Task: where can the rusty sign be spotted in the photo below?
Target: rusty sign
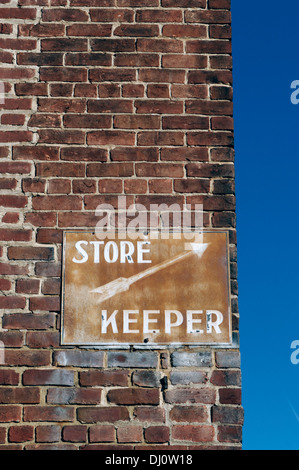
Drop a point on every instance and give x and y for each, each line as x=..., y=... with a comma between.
x=147, y=292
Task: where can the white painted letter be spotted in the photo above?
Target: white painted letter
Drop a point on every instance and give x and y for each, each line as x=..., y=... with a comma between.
x=191, y=320
x=147, y=320
x=214, y=324
x=114, y=252
x=140, y=252
x=128, y=320
x=168, y=324
x=126, y=255
x=96, y=251
x=111, y=320
x=81, y=251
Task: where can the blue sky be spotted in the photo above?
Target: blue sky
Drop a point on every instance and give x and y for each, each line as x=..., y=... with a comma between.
x=266, y=62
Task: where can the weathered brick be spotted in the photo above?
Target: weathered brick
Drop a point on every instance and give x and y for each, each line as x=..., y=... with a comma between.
x=48, y=413
x=20, y=433
x=134, y=396
x=105, y=378
x=102, y=414
x=73, y=396
x=48, y=377
x=130, y=433
x=48, y=433
x=148, y=359
x=189, y=414
x=184, y=359
x=193, y=433
x=102, y=433
x=79, y=358
x=193, y=395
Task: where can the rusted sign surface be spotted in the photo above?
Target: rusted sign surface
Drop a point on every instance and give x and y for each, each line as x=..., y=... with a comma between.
x=149, y=292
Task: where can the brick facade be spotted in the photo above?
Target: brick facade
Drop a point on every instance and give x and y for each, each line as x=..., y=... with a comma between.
x=106, y=98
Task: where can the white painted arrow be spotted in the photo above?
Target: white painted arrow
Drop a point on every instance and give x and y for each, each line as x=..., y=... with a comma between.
x=123, y=284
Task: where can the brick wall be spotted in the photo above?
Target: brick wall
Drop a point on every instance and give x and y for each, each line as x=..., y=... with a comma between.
x=106, y=98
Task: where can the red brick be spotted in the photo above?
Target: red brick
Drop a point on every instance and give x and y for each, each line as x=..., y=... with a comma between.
x=8, y=183
x=102, y=414
x=159, y=186
x=67, y=14
x=94, y=30
x=15, y=167
x=84, y=154
x=111, y=138
x=158, y=434
x=10, y=218
x=102, y=433
x=45, y=303
x=15, y=136
x=158, y=91
x=135, y=186
x=159, y=16
x=34, y=185
x=231, y=396
x=110, y=186
x=27, y=286
x=160, y=45
x=41, y=30
x=30, y=253
x=12, y=339
x=19, y=395
x=105, y=378
x=61, y=136
x=230, y=434
x=18, y=44
x=79, y=396
x=27, y=358
x=132, y=90
x=150, y=414
x=10, y=413
x=160, y=138
x=35, y=153
x=9, y=377
x=13, y=119
x=48, y=413
x=15, y=235
x=134, y=154
x=61, y=105
x=41, y=339
x=109, y=169
x=134, y=396
x=13, y=269
x=11, y=302
x=170, y=170
x=55, y=202
x=42, y=219
x=89, y=121
x=59, y=186
x=50, y=433
x=193, y=433
x=136, y=122
x=131, y=433
x=193, y=395
x=191, y=414
x=51, y=286
x=48, y=377
x=44, y=120
x=19, y=13
x=189, y=31
x=74, y=433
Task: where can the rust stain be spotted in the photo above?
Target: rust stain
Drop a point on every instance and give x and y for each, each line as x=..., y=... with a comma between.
x=146, y=291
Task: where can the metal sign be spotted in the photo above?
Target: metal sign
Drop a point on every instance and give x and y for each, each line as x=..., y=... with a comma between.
x=145, y=291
